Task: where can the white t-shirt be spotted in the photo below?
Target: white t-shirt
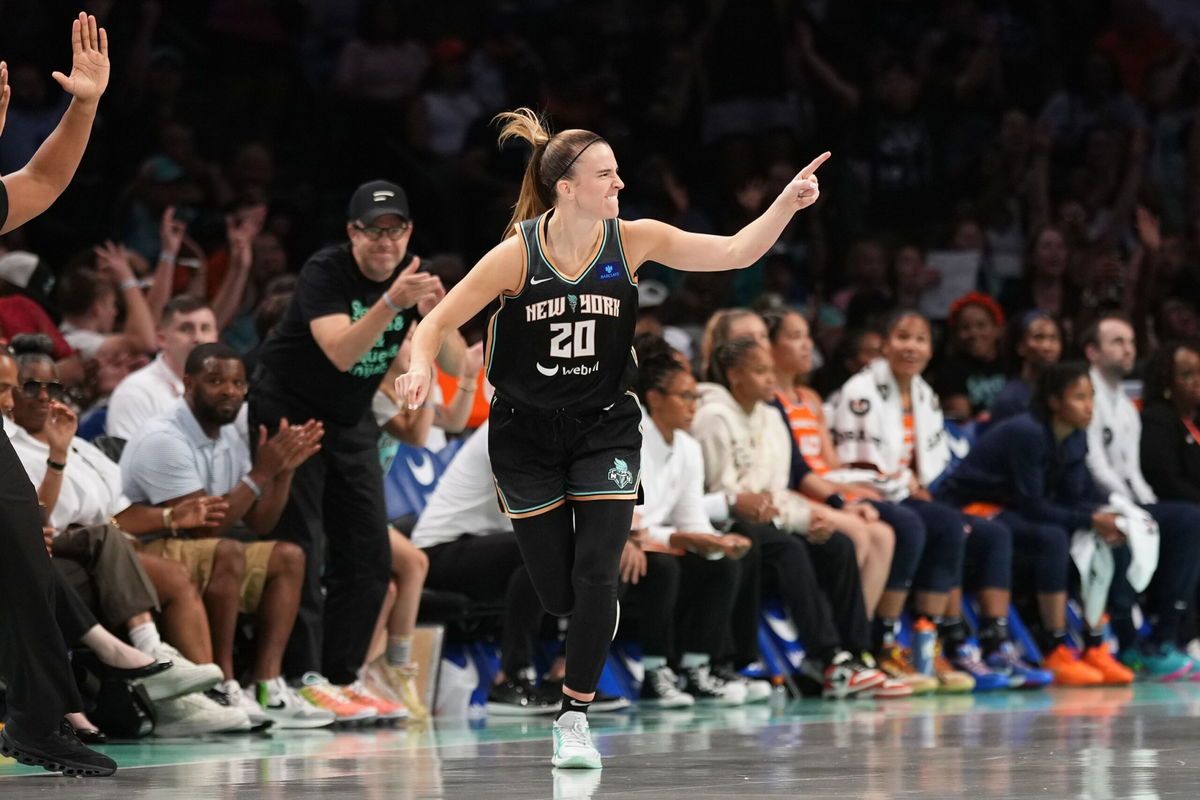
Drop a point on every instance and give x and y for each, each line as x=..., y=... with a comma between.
x=141, y=397
x=91, y=491
x=85, y=341
x=385, y=409
x=464, y=501
x=174, y=457
x=673, y=484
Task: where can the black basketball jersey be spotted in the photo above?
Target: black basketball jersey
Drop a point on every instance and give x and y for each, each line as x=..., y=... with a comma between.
x=564, y=343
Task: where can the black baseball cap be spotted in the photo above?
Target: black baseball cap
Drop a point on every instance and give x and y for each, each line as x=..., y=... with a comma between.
x=374, y=199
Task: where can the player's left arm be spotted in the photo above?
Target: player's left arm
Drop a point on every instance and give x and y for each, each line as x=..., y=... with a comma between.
x=650, y=240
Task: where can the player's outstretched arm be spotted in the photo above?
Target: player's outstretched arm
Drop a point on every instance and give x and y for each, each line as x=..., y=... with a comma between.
x=35, y=186
x=651, y=240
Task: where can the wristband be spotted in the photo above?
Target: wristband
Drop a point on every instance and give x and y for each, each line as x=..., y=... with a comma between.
x=836, y=500
x=387, y=300
x=252, y=486
x=57, y=466
x=168, y=519
x=166, y=258
x=130, y=283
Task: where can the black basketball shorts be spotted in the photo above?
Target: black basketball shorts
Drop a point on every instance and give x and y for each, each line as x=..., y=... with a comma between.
x=541, y=460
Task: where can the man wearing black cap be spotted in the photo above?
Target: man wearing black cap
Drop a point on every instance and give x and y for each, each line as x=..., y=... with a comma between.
x=353, y=306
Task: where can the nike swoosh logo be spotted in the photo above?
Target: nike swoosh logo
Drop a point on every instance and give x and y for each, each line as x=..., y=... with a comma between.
x=549, y=372
x=536, y=281
x=959, y=447
x=422, y=471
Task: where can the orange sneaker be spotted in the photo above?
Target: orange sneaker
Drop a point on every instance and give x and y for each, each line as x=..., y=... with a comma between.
x=358, y=692
x=316, y=689
x=896, y=661
x=1114, y=672
x=1069, y=670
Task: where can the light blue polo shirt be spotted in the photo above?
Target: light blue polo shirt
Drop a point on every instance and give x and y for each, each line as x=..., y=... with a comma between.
x=174, y=457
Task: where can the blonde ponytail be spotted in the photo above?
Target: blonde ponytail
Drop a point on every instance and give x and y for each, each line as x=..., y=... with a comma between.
x=552, y=160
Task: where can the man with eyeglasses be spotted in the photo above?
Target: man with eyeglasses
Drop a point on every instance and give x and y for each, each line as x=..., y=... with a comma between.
x=354, y=304
x=33, y=655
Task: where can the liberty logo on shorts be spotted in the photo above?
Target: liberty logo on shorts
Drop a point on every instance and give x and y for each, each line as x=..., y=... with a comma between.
x=620, y=474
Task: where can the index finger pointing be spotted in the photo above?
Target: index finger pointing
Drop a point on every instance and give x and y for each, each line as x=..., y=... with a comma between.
x=812, y=165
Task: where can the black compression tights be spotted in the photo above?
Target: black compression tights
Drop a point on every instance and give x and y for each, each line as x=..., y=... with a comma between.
x=574, y=567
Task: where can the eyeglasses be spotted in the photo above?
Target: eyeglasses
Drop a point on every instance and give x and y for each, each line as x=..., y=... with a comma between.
x=374, y=233
x=54, y=390
x=691, y=398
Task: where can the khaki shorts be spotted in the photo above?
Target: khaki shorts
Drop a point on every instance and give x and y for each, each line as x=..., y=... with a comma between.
x=198, y=554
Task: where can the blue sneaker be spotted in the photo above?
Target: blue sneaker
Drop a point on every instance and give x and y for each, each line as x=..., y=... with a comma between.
x=1163, y=663
x=1007, y=660
x=967, y=659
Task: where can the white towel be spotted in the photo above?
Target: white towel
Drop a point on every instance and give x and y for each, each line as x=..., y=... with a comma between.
x=1095, y=563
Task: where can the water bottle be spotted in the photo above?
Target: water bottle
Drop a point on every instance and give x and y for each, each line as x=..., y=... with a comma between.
x=779, y=696
x=924, y=646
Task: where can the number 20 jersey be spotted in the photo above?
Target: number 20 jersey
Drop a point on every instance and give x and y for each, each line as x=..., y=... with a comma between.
x=565, y=344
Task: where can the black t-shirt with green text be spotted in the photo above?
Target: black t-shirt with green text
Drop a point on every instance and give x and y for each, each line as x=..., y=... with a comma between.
x=332, y=283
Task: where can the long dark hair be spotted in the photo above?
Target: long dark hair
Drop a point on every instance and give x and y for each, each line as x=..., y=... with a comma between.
x=1160, y=372
x=1053, y=381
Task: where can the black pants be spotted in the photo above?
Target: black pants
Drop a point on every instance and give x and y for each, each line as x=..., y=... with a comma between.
x=336, y=513
x=33, y=656
x=485, y=568
x=683, y=604
x=1174, y=583
x=74, y=617
x=573, y=554
x=819, y=585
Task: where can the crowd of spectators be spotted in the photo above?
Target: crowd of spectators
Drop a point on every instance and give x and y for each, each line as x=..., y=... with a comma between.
x=1013, y=192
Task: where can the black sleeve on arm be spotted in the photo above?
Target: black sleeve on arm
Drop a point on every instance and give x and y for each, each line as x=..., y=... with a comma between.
x=799, y=467
x=1027, y=457
x=320, y=291
x=1162, y=457
x=3, y=204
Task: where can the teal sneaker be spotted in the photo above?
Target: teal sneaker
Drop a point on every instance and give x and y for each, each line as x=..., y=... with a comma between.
x=573, y=748
x=1162, y=663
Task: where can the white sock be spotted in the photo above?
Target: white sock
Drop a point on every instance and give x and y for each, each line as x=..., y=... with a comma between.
x=145, y=637
x=693, y=660
x=399, y=650
x=651, y=663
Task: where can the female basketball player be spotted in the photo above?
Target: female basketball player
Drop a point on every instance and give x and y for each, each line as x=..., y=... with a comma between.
x=564, y=435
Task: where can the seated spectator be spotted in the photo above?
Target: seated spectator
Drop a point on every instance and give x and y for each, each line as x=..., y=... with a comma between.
x=186, y=322
x=1170, y=444
x=193, y=451
x=81, y=490
x=1114, y=439
x=114, y=361
x=87, y=299
x=1034, y=467
x=972, y=373
x=887, y=420
x=701, y=586
x=801, y=555
x=1038, y=343
x=25, y=283
x=874, y=541
x=853, y=352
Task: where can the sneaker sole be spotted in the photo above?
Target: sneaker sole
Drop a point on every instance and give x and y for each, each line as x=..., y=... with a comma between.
x=10, y=750
x=507, y=710
x=576, y=762
x=293, y=724
x=200, y=684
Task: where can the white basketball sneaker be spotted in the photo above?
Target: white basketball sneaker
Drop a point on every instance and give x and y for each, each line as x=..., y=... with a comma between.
x=573, y=748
